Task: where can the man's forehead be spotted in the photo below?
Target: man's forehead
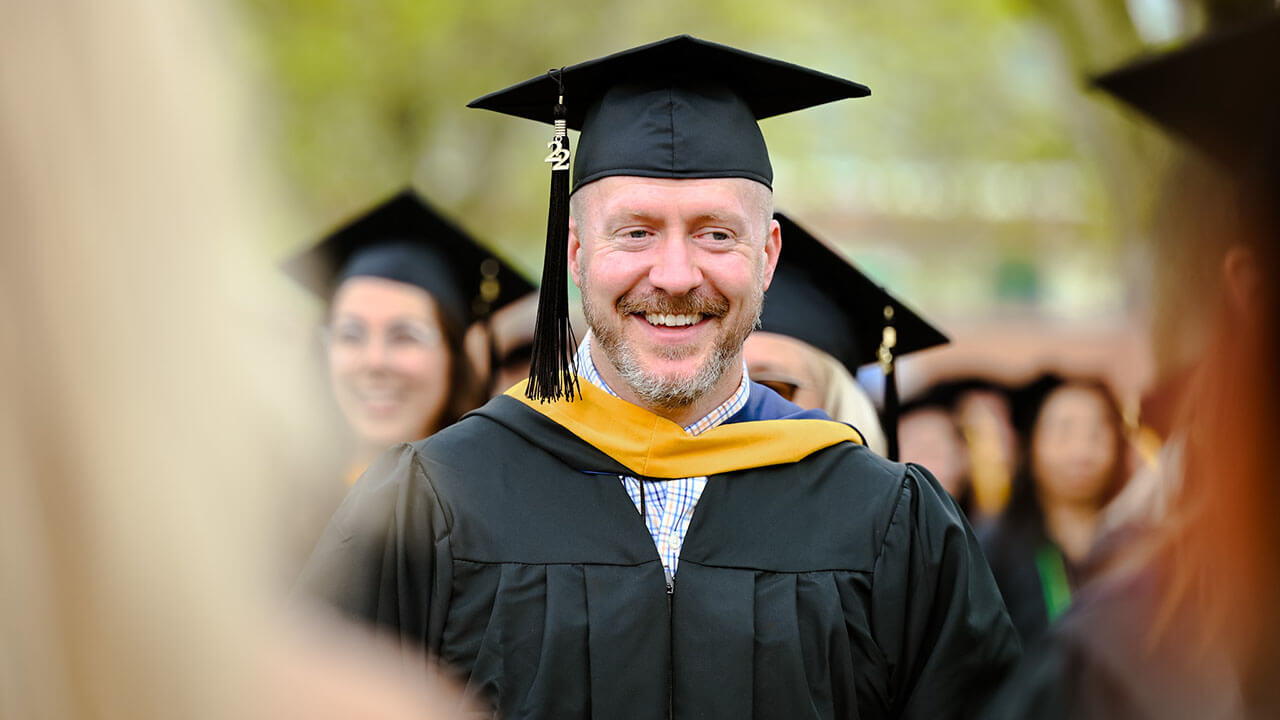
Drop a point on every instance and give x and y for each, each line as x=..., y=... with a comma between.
x=727, y=198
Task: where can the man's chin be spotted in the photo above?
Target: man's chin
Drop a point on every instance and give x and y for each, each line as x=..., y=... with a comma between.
x=668, y=394
x=670, y=388
x=665, y=372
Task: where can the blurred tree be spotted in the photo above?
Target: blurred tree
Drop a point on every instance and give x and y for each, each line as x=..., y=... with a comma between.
x=979, y=139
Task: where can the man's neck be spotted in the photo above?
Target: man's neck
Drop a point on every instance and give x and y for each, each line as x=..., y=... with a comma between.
x=682, y=416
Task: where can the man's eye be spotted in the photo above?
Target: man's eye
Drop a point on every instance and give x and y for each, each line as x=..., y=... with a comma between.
x=716, y=235
x=638, y=234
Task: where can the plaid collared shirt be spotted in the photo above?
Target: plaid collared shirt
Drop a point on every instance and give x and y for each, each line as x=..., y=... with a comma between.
x=668, y=505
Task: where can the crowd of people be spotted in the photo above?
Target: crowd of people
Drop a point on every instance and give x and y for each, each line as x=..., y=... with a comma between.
x=672, y=500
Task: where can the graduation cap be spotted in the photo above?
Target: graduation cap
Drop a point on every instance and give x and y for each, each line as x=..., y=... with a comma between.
x=678, y=108
x=404, y=239
x=1220, y=93
x=821, y=298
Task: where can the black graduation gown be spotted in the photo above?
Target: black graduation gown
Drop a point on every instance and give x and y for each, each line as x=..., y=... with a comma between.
x=1011, y=548
x=840, y=586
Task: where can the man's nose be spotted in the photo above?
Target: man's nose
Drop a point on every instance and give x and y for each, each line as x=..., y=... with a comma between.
x=675, y=268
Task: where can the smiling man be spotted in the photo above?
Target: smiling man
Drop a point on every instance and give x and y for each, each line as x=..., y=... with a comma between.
x=672, y=274
x=641, y=531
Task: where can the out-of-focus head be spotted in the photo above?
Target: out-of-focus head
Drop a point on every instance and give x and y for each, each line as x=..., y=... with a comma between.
x=983, y=412
x=671, y=240
x=510, y=341
x=928, y=434
x=390, y=359
x=1221, y=94
x=813, y=380
x=787, y=366
x=1076, y=443
x=402, y=284
x=822, y=301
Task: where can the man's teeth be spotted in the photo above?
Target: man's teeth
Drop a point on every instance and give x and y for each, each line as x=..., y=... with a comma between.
x=671, y=320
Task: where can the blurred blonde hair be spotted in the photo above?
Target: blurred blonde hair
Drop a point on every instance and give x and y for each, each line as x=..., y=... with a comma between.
x=1220, y=537
x=143, y=407
x=845, y=401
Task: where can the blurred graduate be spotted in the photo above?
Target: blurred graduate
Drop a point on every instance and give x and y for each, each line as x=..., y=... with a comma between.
x=1183, y=622
x=402, y=286
x=822, y=320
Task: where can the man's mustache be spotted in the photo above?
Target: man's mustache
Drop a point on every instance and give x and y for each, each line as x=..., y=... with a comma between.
x=702, y=302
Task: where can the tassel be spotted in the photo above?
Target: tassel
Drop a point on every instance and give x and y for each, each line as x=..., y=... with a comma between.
x=551, y=374
x=888, y=340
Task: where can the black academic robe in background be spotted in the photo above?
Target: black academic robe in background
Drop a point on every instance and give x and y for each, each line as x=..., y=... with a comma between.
x=840, y=586
x=1010, y=547
x=1120, y=654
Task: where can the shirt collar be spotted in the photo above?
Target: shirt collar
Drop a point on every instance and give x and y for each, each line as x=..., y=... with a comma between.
x=586, y=368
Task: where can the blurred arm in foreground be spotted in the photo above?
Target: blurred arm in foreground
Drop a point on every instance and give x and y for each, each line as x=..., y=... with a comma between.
x=143, y=414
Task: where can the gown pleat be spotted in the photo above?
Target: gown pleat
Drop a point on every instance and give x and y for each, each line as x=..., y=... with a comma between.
x=713, y=626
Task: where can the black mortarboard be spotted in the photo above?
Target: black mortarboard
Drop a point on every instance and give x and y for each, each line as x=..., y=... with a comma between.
x=678, y=108
x=404, y=239
x=823, y=299
x=1221, y=92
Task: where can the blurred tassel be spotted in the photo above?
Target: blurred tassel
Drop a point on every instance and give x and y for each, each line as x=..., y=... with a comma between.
x=889, y=339
x=551, y=374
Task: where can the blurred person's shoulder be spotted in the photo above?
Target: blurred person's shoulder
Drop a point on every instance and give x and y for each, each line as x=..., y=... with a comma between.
x=1115, y=655
x=319, y=667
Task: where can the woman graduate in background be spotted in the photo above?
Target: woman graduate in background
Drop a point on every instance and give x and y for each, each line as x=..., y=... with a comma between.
x=405, y=291
x=402, y=285
x=1073, y=464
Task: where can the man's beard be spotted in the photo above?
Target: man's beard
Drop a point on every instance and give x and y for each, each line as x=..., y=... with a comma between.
x=672, y=392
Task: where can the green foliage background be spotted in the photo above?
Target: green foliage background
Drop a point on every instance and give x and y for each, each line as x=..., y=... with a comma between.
x=981, y=175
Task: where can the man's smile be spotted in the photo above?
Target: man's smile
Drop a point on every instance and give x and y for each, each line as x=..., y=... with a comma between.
x=668, y=320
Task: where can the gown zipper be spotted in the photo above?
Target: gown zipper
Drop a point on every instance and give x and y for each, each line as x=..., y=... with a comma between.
x=671, y=589
x=671, y=661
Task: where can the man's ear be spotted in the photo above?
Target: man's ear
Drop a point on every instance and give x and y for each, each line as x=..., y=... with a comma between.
x=1242, y=279
x=772, y=248
x=575, y=250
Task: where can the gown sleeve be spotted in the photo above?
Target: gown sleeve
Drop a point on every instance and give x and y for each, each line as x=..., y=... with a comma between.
x=936, y=612
x=385, y=557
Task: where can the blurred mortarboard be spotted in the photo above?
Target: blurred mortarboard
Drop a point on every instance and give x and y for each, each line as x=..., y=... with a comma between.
x=942, y=396
x=678, y=108
x=1220, y=92
x=404, y=239
x=821, y=298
